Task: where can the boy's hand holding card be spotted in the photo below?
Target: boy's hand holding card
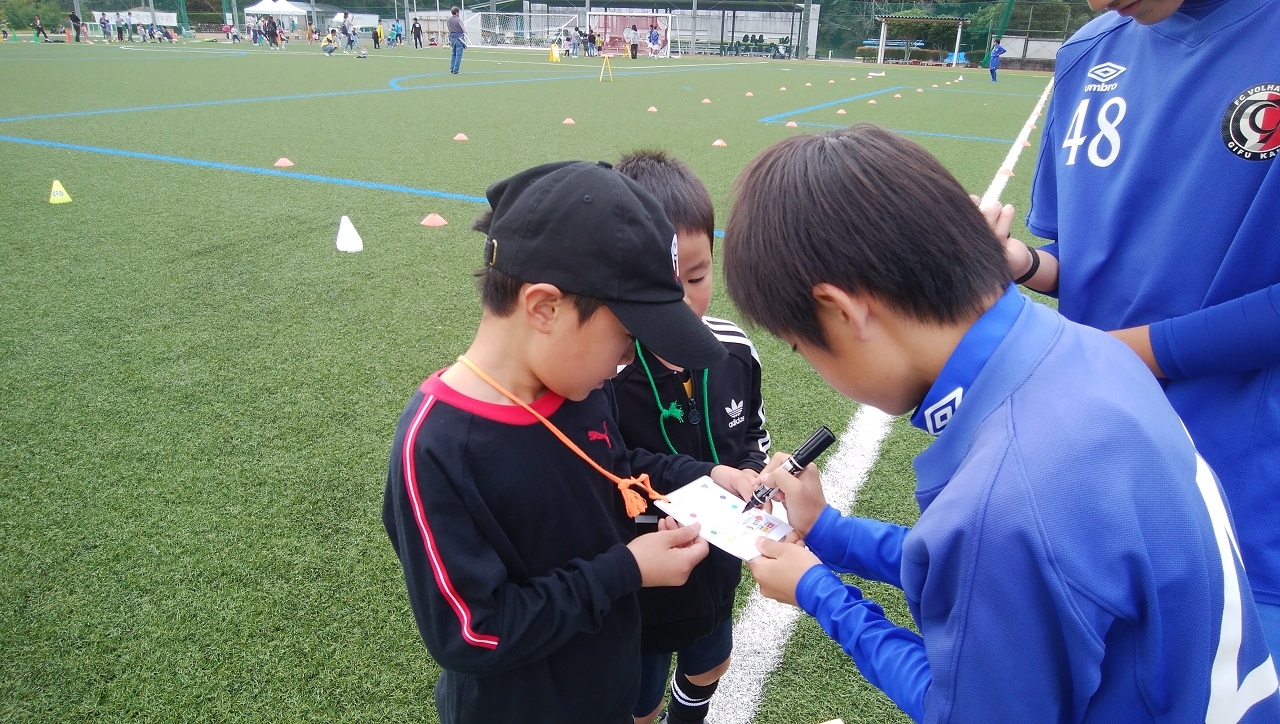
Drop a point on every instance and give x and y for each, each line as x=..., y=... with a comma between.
x=719, y=512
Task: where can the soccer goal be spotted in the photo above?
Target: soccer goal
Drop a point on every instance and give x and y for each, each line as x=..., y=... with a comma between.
x=518, y=30
x=611, y=29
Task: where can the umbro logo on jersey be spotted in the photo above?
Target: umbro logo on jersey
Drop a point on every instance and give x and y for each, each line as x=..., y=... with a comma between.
x=941, y=412
x=734, y=411
x=1104, y=73
x=1251, y=125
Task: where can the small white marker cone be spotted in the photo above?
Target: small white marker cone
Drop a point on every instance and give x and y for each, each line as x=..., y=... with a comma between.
x=897, y=95
x=568, y=122
x=1005, y=172
x=948, y=82
x=840, y=112
x=935, y=85
x=871, y=102
x=653, y=109
x=792, y=124
x=876, y=75
x=284, y=163
x=434, y=219
x=808, y=85
x=830, y=82
x=960, y=78
x=706, y=100
x=1026, y=144
x=348, y=238
x=461, y=137
x=853, y=79
x=782, y=88
x=919, y=90
x=750, y=94
x=719, y=142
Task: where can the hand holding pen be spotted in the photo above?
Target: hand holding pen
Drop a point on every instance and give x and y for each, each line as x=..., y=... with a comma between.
x=817, y=443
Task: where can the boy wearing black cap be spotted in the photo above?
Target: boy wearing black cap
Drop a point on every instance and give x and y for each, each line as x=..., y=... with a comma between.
x=519, y=553
x=714, y=414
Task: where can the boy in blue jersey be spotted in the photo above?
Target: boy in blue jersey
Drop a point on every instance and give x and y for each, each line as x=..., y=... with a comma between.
x=997, y=50
x=1147, y=99
x=714, y=414
x=1073, y=559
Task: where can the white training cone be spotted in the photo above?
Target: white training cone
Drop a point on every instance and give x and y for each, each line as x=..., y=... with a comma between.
x=830, y=82
x=897, y=95
x=706, y=100
x=919, y=90
x=792, y=124
x=876, y=75
x=284, y=163
x=750, y=94
x=1026, y=144
x=434, y=219
x=1005, y=172
x=840, y=112
x=935, y=85
x=808, y=85
x=853, y=79
x=948, y=82
x=871, y=102
x=653, y=109
x=719, y=142
x=782, y=88
x=568, y=122
x=461, y=137
x=960, y=78
x=348, y=238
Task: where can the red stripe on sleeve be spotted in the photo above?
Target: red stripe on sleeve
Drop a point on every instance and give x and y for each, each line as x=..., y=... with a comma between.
x=428, y=541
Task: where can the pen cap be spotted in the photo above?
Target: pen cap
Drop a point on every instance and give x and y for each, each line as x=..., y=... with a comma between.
x=817, y=443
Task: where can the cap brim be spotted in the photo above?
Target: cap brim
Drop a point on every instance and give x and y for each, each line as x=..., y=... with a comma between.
x=672, y=331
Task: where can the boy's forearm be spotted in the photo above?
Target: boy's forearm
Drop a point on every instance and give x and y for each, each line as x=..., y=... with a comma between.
x=868, y=548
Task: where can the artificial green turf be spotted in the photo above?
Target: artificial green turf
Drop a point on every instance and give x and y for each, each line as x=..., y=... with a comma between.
x=199, y=392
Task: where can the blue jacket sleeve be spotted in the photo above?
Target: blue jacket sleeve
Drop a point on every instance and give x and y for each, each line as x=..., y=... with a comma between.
x=1236, y=336
x=871, y=549
x=891, y=657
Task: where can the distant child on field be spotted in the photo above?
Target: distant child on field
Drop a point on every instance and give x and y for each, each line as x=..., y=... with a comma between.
x=997, y=50
x=714, y=415
x=509, y=497
x=1074, y=559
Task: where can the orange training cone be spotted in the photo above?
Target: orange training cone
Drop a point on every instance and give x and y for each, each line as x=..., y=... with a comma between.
x=434, y=219
x=284, y=163
x=1026, y=144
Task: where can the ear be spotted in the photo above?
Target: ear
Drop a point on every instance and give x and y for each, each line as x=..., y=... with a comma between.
x=839, y=310
x=542, y=305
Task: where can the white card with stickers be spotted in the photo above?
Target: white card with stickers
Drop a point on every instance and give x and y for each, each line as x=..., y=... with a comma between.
x=719, y=512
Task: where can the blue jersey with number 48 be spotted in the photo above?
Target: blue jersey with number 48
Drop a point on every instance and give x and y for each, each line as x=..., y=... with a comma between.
x=1159, y=180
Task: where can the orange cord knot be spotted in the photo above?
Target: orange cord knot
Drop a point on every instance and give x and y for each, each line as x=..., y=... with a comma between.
x=636, y=504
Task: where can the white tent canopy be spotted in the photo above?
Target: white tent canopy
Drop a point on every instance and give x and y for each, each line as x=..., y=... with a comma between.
x=275, y=7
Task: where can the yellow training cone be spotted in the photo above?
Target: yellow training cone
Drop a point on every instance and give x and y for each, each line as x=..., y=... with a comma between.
x=434, y=219
x=461, y=137
x=719, y=142
x=59, y=195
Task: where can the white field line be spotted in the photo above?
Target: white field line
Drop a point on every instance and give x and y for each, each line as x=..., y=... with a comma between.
x=761, y=634
x=1006, y=169
x=762, y=631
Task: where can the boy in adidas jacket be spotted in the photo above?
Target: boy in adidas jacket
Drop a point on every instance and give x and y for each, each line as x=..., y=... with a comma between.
x=714, y=414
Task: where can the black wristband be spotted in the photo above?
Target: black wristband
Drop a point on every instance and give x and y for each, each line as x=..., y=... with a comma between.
x=1035, y=267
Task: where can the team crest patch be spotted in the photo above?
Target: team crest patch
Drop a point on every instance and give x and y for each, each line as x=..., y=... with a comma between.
x=1251, y=125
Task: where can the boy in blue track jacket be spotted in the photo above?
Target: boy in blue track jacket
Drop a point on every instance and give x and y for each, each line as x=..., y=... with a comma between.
x=1074, y=559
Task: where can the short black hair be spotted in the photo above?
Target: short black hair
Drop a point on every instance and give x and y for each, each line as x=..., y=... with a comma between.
x=500, y=291
x=865, y=210
x=681, y=193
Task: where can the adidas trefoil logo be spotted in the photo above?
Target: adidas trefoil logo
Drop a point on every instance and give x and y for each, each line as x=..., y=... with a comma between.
x=734, y=411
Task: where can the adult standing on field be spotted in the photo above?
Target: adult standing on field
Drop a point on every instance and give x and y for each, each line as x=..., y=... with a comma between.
x=75, y=24
x=456, y=42
x=39, y=29
x=1187, y=275
x=416, y=29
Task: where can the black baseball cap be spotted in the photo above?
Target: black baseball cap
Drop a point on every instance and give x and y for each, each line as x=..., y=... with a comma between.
x=595, y=233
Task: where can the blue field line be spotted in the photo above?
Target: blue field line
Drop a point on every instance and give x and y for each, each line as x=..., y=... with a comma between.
x=906, y=132
x=788, y=114
x=293, y=175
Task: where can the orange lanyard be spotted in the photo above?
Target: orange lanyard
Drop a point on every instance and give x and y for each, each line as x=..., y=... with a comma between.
x=635, y=503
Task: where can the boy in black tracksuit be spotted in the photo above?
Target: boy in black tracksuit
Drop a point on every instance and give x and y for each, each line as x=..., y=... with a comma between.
x=715, y=415
x=519, y=553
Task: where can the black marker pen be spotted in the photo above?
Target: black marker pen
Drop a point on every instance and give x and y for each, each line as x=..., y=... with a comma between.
x=817, y=443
